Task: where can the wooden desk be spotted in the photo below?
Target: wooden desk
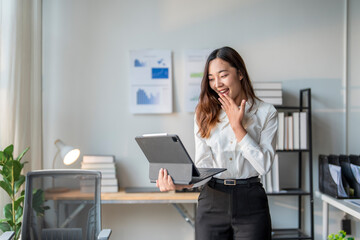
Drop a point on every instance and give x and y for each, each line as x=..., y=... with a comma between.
x=341, y=204
x=122, y=197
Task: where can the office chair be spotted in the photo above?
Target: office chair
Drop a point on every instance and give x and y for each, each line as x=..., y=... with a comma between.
x=62, y=204
x=7, y=235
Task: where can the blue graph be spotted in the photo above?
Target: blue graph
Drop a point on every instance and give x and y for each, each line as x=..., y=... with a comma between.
x=161, y=62
x=142, y=98
x=138, y=63
x=160, y=73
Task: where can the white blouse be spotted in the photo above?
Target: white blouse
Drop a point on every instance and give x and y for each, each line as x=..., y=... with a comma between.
x=250, y=157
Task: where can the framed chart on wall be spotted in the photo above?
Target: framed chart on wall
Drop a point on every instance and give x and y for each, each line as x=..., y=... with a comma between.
x=150, y=81
x=194, y=62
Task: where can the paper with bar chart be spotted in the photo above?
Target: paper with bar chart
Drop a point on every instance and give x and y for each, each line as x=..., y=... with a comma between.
x=151, y=81
x=194, y=66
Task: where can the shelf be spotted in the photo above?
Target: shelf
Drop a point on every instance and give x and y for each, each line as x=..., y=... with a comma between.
x=289, y=234
x=303, y=169
x=289, y=192
x=296, y=150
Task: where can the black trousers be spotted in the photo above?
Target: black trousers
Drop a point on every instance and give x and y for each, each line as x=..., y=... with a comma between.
x=233, y=212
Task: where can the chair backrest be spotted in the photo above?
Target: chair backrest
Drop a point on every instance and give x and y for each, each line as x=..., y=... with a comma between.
x=62, y=203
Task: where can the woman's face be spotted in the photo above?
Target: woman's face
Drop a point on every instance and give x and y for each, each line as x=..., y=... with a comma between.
x=225, y=79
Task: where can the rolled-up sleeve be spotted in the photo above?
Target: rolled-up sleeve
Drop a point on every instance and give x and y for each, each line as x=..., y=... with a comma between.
x=261, y=155
x=203, y=155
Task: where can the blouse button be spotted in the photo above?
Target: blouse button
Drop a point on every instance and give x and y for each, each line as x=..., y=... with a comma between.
x=230, y=159
x=231, y=142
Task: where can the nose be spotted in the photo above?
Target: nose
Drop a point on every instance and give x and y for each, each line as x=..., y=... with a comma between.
x=218, y=82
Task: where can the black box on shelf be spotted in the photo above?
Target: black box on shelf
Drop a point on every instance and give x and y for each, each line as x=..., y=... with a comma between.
x=338, y=176
x=350, y=168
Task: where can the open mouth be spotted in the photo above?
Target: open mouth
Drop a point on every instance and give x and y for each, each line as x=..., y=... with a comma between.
x=224, y=91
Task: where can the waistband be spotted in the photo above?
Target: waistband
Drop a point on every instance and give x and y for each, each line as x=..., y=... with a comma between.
x=233, y=182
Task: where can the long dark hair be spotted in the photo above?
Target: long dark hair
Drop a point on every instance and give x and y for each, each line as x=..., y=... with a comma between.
x=208, y=108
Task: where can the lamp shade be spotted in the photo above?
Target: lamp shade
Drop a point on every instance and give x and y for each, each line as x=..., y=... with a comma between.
x=68, y=154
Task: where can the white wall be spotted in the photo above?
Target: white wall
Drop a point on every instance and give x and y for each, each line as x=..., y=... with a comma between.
x=86, y=46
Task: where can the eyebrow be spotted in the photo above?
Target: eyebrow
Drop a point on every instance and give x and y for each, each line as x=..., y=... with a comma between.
x=219, y=72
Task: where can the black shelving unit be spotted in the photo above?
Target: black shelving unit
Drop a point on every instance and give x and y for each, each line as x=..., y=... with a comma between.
x=299, y=233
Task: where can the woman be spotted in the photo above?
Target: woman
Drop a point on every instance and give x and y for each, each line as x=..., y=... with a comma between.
x=237, y=131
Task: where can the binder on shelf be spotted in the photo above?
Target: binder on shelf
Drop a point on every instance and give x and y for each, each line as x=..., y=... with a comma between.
x=286, y=133
x=331, y=177
x=303, y=130
x=290, y=133
x=296, y=120
x=275, y=174
x=280, y=133
x=350, y=168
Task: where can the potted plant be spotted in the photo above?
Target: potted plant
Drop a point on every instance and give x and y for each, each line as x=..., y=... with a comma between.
x=12, y=180
x=340, y=236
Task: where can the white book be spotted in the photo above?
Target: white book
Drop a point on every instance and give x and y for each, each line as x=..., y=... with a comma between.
x=275, y=174
x=97, y=165
x=296, y=119
x=286, y=133
x=303, y=130
x=108, y=175
x=291, y=132
x=280, y=132
x=104, y=182
x=272, y=100
x=268, y=93
x=98, y=158
x=267, y=85
x=269, y=182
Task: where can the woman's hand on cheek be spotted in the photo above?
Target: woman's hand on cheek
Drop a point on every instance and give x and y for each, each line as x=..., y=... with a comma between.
x=233, y=112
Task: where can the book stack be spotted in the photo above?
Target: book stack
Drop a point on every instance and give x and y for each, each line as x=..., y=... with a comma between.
x=292, y=131
x=270, y=92
x=106, y=165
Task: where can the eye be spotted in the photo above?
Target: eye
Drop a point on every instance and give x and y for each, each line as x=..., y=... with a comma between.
x=224, y=76
x=211, y=79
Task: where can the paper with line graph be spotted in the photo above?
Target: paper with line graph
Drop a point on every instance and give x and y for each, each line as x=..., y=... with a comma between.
x=194, y=67
x=151, y=81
